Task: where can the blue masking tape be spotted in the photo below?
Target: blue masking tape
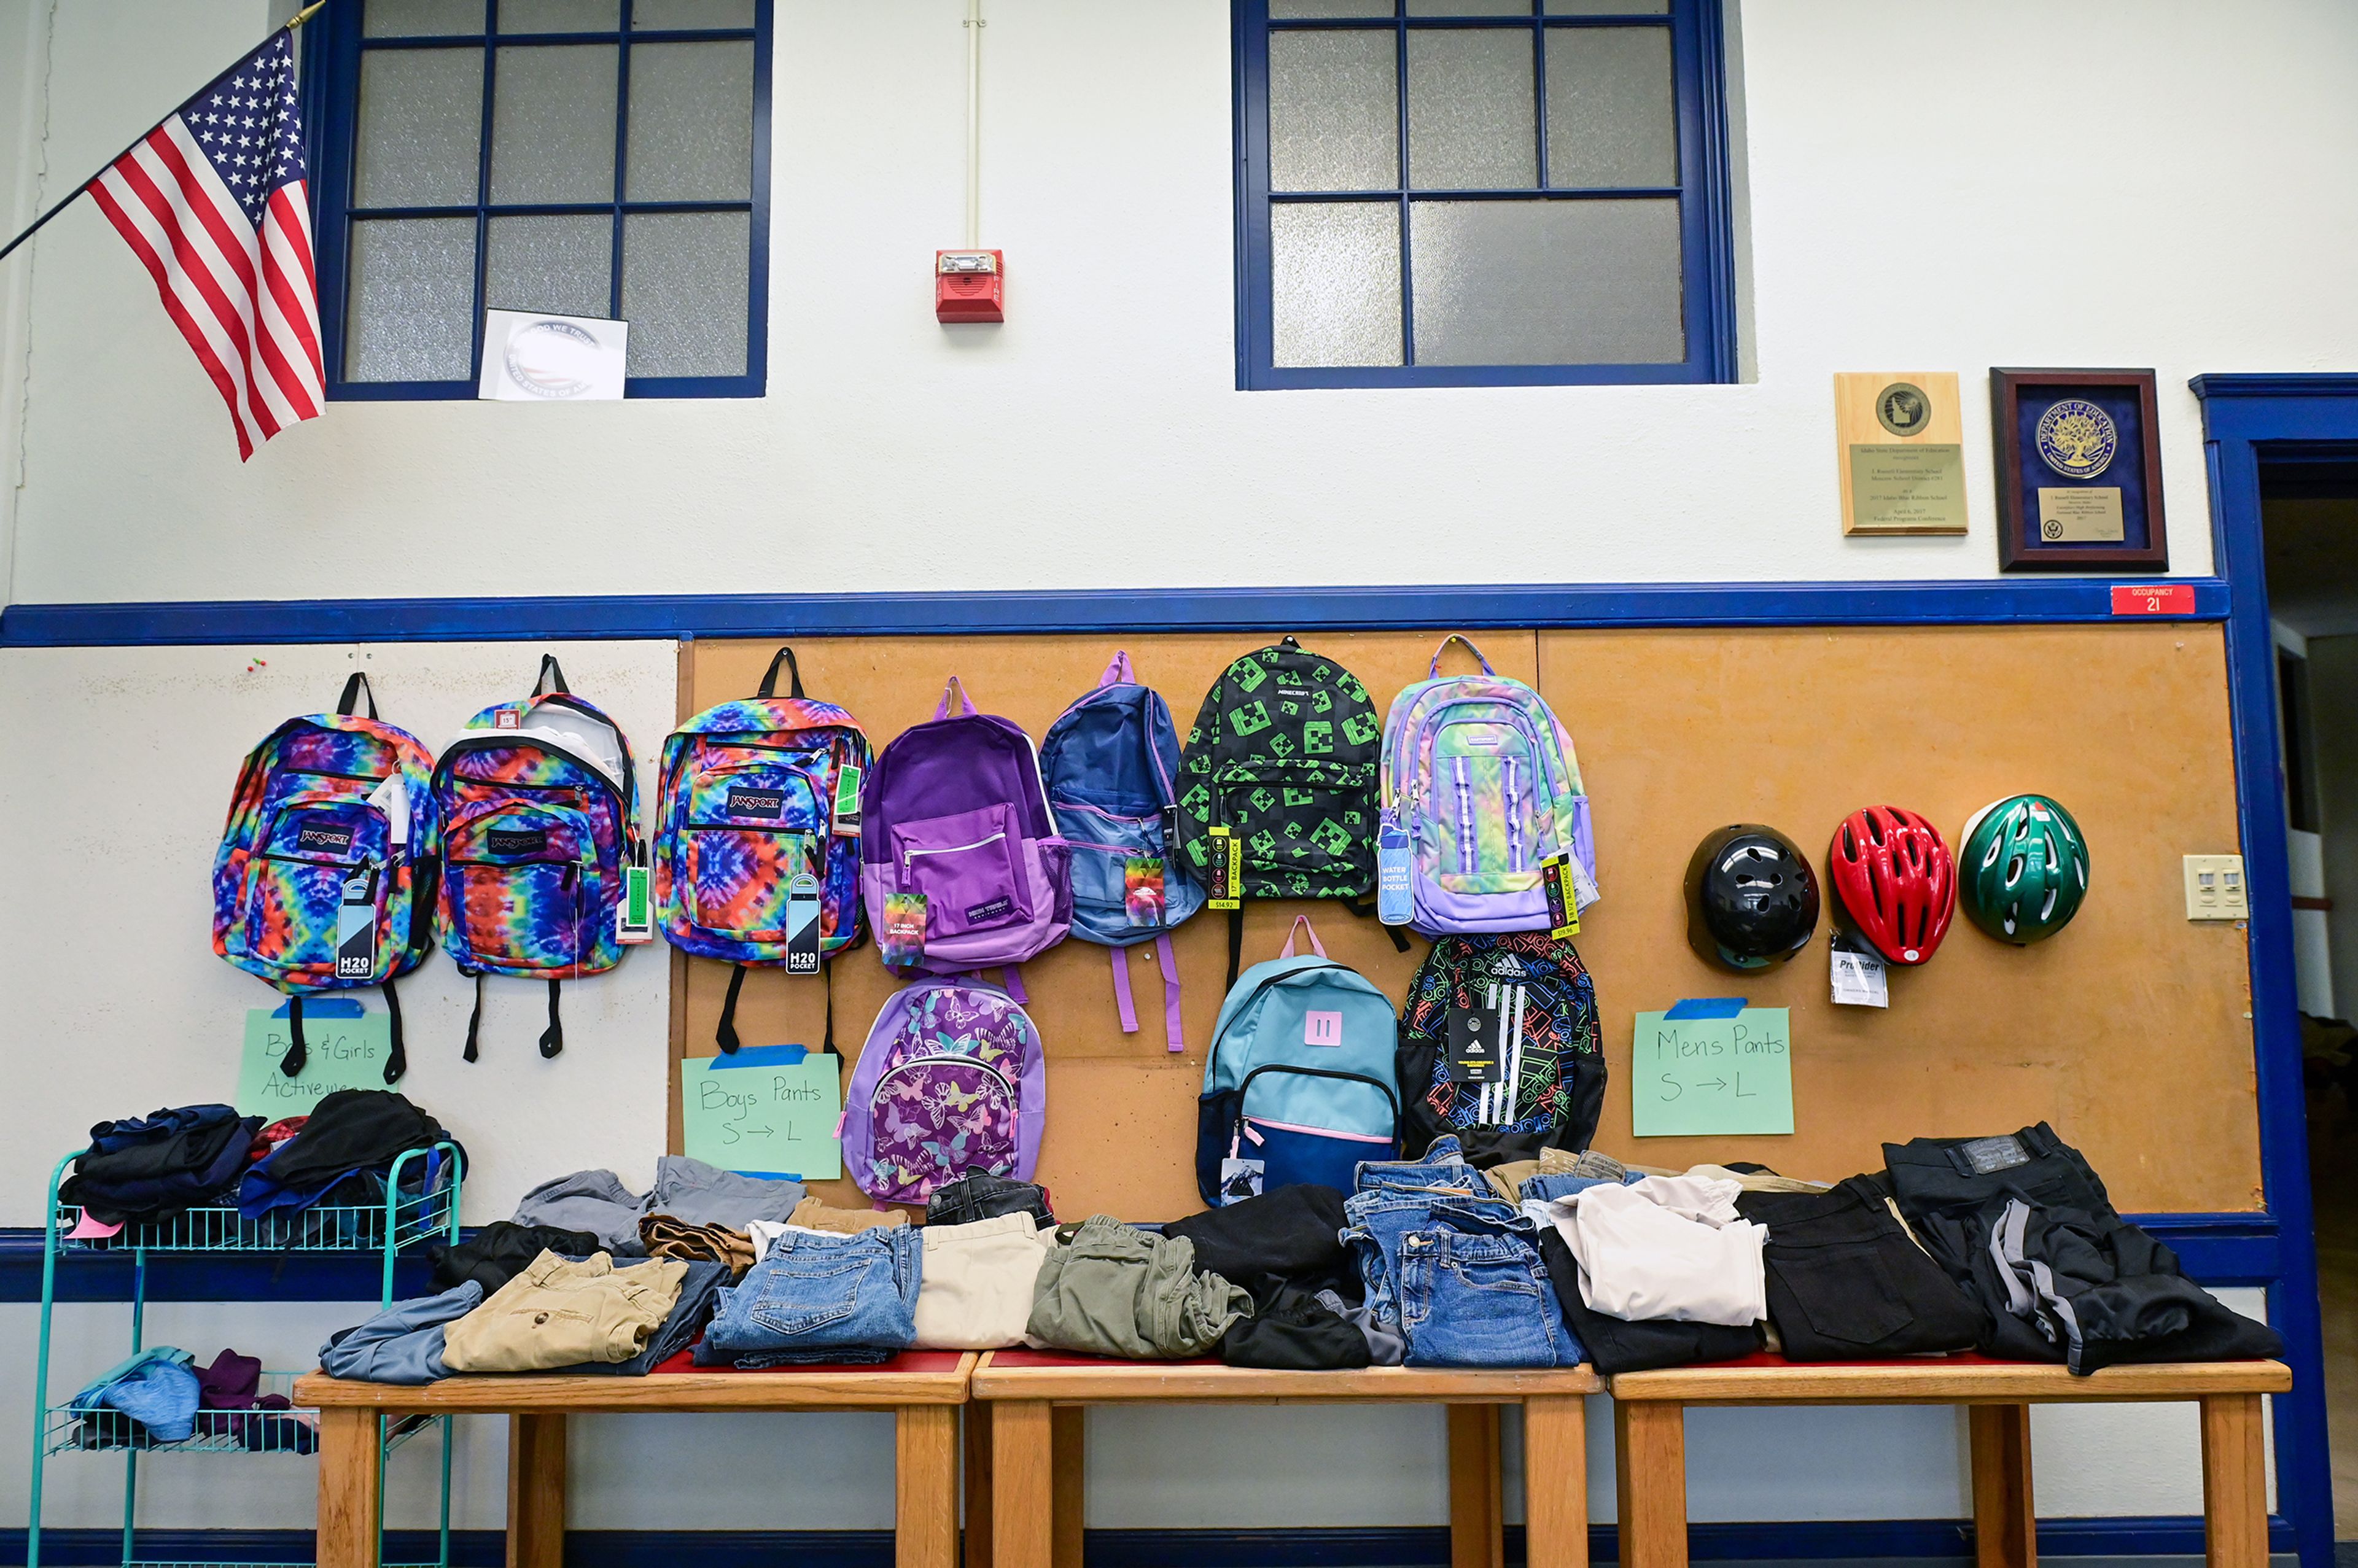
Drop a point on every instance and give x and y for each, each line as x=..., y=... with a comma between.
x=763, y=1056
x=327, y=1007
x=1705, y=1006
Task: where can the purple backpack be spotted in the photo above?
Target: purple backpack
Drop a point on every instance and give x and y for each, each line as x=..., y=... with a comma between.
x=951, y=1080
x=955, y=813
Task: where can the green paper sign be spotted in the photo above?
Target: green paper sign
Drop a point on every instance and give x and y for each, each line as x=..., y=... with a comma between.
x=773, y=1120
x=342, y=1054
x=1697, y=1076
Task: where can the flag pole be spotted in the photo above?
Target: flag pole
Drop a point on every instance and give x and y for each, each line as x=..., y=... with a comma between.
x=301, y=16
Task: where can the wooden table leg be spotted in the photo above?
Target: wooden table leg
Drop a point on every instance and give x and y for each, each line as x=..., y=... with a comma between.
x=350, y=1505
x=1068, y=1447
x=975, y=1419
x=535, y=1491
x=1555, y=1481
x=1650, y=1461
x=2005, y=1519
x=1022, y=1485
x=926, y=1486
x=2234, y=1482
x=1476, y=1510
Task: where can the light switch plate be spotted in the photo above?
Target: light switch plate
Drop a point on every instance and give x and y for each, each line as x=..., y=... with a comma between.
x=2214, y=888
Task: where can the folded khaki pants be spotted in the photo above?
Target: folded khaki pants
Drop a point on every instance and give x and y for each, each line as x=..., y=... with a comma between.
x=561, y=1314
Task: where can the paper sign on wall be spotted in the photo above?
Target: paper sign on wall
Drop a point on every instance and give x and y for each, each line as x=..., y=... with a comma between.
x=1690, y=1076
x=771, y=1116
x=529, y=357
x=346, y=1046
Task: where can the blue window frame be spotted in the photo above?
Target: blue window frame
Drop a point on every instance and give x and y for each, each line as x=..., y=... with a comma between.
x=1481, y=193
x=589, y=157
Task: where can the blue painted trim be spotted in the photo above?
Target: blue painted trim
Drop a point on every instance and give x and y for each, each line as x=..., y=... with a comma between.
x=1398, y=1547
x=2249, y=420
x=1996, y=601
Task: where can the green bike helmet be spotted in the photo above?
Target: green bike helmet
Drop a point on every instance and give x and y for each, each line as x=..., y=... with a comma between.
x=2022, y=869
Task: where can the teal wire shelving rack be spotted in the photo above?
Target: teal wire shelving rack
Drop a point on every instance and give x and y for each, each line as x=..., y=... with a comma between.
x=421, y=1204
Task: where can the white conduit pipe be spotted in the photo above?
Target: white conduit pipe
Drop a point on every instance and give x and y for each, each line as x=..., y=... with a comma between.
x=974, y=26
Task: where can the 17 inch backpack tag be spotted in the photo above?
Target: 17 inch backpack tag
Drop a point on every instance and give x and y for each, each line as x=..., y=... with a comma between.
x=1564, y=906
x=801, y=925
x=1394, y=903
x=903, y=940
x=1227, y=856
x=1473, y=1051
x=356, y=926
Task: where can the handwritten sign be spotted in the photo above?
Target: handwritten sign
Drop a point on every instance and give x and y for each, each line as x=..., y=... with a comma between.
x=346, y=1047
x=771, y=1117
x=1698, y=1076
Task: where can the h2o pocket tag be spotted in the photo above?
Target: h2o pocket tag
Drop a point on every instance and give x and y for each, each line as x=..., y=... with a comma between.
x=802, y=925
x=903, y=940
x=356, y=926
x=1394, y=903
x=1141, y=890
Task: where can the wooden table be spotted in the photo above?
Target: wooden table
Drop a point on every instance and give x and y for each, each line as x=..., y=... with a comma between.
x=1024, y=1463
x=923, y=1390
x=1650, y=1431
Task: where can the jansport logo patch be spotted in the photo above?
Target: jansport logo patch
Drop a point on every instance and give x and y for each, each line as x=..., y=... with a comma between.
x=997, y=909
x=326, y=838
x=756, y=803
x=517, y=841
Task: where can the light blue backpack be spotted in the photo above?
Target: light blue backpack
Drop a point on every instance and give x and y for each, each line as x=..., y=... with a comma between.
x=1110, y=761
x=1300, y=1083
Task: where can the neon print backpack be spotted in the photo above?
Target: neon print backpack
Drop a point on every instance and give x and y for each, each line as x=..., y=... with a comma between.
x=754, y=795
x=951, y=1080
x=1480, y=773
x=325, y=874
x=1553, y=1049
x=539, y=818
x=1110, y=760
x=1298, y=1085
x=956, y=815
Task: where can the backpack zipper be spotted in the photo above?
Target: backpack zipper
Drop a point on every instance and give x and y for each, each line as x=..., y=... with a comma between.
x=1007, y=1088
x=909, y=855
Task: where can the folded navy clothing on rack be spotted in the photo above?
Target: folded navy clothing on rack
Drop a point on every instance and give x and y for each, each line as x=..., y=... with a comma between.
x=149, y=1168
x=349, y=1133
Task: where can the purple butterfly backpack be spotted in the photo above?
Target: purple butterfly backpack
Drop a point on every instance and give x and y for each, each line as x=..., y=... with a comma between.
x=955, y=813
x=951, y=1080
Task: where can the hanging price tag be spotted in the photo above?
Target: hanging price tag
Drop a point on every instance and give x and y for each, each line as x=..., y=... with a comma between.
x=1394, y=903
x=634, y=916
x=1557, y=875
x=847, y=801
x=1859, y=977
x=903, y=940
x=1228, y=857
x=802, y=925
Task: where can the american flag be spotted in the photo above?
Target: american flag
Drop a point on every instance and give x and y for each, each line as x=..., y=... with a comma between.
x=213, y=202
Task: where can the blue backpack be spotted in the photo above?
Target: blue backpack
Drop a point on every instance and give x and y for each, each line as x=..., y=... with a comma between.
x=1110, y=761
x=1298, y=1087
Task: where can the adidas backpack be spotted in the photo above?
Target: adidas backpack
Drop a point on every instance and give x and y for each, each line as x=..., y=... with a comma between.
x=1299, y=1083
x=951, y=1080
x=1479, y=773
x=1554, y=1051
x=1279, y=779
x=325, y=874
x=1110, y=761
x=540, y=818
x=759, y=802
x=956, y=816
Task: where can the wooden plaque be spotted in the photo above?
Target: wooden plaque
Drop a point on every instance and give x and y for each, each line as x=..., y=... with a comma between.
x=1900, y=450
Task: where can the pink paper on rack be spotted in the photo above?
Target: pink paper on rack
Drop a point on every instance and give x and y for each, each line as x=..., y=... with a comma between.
x=89, y=1229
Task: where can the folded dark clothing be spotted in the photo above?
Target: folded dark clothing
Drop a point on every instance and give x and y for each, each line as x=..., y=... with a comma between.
x=1292, y=1331
x=698, y=1290
x=1291, y=1233
x=348, y=1130
x=502, y=1249
x=1845, y=1283
x=1616, y=1345
x=147, y=1169
x=978, y=1195
x=1484, y=1147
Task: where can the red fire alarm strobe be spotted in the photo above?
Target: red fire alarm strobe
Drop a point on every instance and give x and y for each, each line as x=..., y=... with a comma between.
x=969, y=286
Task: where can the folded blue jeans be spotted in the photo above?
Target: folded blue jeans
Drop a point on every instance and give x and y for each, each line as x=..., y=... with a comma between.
x=1473, y=1292
x=822, y=1292
x=1376, y=1219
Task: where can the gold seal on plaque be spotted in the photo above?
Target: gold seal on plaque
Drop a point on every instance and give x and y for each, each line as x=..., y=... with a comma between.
x=1902, y=408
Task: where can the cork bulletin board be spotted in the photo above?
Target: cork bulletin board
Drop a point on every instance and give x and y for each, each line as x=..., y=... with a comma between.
x=2129, y=1031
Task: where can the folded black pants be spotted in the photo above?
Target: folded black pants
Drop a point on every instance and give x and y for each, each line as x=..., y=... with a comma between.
x=1845, y=1283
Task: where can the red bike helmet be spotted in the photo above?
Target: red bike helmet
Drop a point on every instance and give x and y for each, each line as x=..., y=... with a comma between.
x=1894, y=879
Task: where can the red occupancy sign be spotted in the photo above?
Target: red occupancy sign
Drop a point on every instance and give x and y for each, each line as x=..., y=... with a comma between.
x=2153, y=599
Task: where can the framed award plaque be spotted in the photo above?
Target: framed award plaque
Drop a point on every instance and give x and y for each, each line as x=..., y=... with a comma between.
x=1899, y=451
x=2079, y=470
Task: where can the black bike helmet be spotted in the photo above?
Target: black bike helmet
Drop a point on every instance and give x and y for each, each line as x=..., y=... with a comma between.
x=1752, y=899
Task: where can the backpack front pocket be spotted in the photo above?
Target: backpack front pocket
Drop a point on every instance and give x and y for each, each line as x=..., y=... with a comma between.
x=1104, y=843
x=935, y=1118
x=292, y=892
x=1305, y=826
x=519, y=874
x=752, y=826
x=969, y=866
x=1487, y=831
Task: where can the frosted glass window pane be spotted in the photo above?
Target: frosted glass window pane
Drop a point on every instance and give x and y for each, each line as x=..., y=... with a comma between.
x=692, y=122
x=1295, y=10
x=421, y=18
x=563, y=265
x=1470, y=119
x=1589, y=281
x=692, y=13
x=560, y=16
x=421, y=124
x=1334, y=110
x=1612, y=107
x=413, y=300
x=1607, y=7
x=1469, y=7
x=553, y=124
x=1334, y=283
x=684, y=292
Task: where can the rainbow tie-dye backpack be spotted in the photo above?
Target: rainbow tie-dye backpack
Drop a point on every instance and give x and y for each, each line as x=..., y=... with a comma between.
x=326, y=874
x=539, y=821
x=757, y=833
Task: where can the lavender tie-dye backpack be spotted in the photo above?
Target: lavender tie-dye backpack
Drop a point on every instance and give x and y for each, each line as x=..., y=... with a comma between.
x=956, y=815
x=951, y=1080
x=540, y=817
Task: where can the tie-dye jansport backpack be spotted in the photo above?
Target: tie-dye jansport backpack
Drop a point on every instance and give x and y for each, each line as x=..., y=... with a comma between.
x=539, y=818
x=756, y=795
x=951, y=1080
x=326, y=874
